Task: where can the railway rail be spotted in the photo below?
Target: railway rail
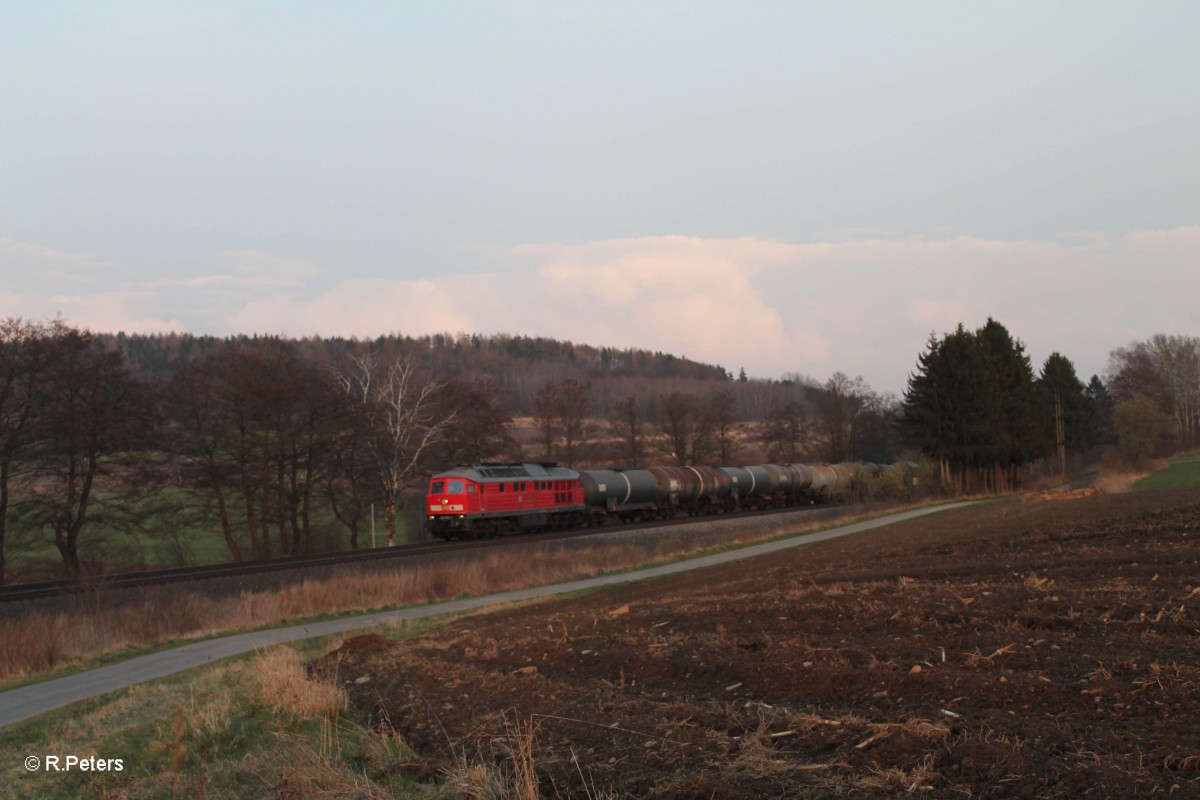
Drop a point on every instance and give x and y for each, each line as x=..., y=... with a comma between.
x=157, y=577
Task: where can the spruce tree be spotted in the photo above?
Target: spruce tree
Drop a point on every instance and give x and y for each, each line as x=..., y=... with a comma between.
x=971, y=405
x=1066, y=413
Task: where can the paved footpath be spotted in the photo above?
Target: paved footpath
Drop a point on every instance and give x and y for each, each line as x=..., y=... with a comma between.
x=37, y=698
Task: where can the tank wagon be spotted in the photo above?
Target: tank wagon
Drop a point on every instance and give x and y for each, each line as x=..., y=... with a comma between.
x=496, y=499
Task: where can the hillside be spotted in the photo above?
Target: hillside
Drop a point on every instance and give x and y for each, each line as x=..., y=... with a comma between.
x=515, y=365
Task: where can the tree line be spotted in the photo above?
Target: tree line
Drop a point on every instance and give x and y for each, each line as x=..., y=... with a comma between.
x=976, y=408
x=840, y=420
x=252, y=439
x=287, y=447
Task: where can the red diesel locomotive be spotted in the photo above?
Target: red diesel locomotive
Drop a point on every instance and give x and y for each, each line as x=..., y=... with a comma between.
x=495, y=499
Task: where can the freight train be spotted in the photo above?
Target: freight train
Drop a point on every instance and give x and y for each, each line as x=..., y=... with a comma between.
x=497, y=499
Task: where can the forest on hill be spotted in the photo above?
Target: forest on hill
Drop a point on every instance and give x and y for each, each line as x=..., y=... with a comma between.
x=513, y=368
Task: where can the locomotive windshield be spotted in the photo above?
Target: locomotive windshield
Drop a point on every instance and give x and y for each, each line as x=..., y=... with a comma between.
x=455, y=487
x=437, y=487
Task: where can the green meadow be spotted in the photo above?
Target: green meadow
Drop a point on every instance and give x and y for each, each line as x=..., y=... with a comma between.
x=1181, y=472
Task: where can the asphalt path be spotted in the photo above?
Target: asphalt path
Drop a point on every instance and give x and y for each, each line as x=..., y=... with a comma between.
x=38, y=698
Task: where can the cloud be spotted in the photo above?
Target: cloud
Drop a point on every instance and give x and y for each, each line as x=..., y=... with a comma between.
x=1082, y=297
x=364, y=308
x=271, y=269
x=218, y=282
x=857, y=305
x=687, y=296
x=254, y=270
x=861, y=306
x=110, y=312
x=938, y=315
x=30, y=265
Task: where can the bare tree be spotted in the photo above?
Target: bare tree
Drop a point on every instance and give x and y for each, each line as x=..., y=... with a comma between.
x=481, y=426
x=679, y=422
x=213, y=407
x=839, y=405
x=93, y=410
x=23, y=364
x=628, y=425
x=573, y=407
x=403, y=419
x=348, y=479
x=303, y=411
x=1143, y=430
x=561, y=413
x=545, y=417
x=1165, y=369
x=783, y=432
x=258, y=425
x=876, y=437
x=722, y=421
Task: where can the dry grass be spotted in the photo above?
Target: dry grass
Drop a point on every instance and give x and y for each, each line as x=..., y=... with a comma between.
x=94, y=626
x=316, y=775
x=316, y=766
x=510, y=775
x=282, y=683
x=921, y=777
x=514, y=777
x=756, y=755
x=32, y=644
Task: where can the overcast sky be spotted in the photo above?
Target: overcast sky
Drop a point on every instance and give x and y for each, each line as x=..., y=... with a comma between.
x=786, y=187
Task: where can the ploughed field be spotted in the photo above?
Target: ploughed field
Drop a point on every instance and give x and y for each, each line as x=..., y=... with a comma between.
x=1042, y=649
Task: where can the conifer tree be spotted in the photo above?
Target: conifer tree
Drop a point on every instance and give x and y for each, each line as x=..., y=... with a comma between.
x=971, y=406
x=1066, y=413
x=1102, y=405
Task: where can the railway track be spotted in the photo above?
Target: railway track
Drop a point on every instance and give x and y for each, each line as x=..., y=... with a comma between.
x=158, y=577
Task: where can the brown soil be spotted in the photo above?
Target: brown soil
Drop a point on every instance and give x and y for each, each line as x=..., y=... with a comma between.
x=1007, y=650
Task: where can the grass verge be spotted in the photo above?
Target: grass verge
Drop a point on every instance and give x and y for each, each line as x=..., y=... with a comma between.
x=1181, y=472
x=253, y=726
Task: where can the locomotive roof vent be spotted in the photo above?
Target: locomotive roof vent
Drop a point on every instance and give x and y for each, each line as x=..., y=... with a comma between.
x=515, y=470
x=503, y=471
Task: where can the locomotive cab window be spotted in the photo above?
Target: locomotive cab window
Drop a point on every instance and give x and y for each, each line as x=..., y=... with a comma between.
x=438, y=487
x=470, y=488
x=455, y=487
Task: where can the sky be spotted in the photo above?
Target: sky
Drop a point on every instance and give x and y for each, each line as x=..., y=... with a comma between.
x=784, y=187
